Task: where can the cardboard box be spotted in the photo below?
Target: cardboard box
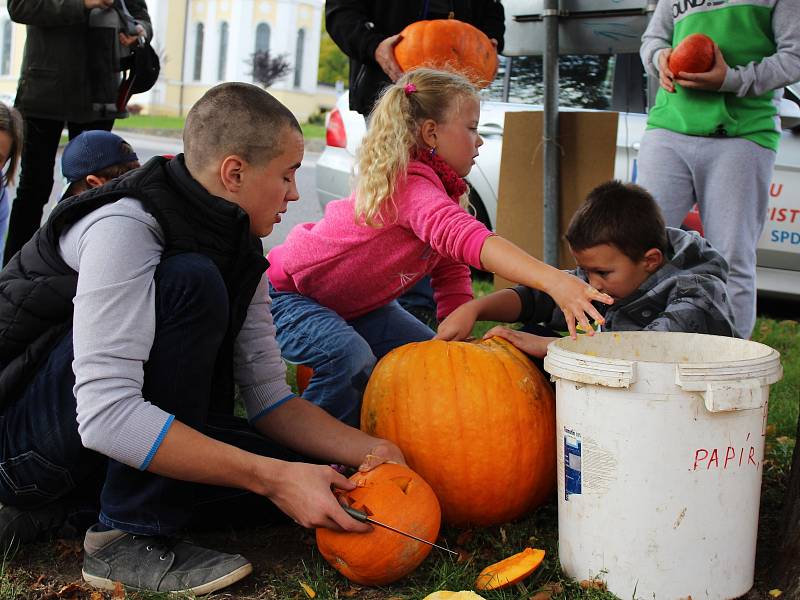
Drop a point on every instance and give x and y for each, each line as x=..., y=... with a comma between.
x=588, y=147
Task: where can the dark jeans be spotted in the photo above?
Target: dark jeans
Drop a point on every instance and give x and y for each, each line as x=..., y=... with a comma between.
x=42, y=458
x=41, y=139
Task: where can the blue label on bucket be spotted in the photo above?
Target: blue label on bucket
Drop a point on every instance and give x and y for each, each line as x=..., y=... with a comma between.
x=572, y=463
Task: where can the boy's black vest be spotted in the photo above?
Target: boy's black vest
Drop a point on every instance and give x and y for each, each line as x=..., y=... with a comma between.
x=37, y=287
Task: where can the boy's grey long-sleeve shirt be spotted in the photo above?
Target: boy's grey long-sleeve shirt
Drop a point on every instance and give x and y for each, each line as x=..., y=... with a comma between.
x=115, y=250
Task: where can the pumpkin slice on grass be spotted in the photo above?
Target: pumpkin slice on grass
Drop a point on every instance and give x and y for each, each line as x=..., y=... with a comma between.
x=397, y=496
x=510, y=570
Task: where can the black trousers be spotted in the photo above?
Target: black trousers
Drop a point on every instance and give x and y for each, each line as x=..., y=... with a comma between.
x=39, y=148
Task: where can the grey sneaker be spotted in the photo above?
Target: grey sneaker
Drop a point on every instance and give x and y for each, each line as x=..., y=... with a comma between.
x=19, y=526
x=157, y=564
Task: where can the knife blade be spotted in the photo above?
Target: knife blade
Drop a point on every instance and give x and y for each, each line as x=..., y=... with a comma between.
x=364, y=518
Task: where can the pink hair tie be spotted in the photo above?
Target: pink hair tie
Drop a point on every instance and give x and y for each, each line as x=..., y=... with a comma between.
x=409, y=89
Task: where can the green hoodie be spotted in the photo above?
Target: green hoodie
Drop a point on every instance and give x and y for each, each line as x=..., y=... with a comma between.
x=760, y=40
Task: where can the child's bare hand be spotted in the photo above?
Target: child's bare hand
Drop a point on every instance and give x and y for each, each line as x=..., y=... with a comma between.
x=457, y=325
x=665, y=76
x=574, y=296
x=535, y=345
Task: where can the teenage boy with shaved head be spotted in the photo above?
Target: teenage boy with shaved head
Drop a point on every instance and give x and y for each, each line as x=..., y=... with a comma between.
x=165, y=270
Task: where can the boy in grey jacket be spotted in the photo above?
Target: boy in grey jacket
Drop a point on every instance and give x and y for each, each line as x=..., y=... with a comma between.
x=661, y=279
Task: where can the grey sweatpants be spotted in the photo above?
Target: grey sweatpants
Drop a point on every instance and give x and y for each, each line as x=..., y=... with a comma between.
x=729, y=179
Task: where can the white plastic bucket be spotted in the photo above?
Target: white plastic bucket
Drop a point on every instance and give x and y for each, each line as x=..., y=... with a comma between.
x=660, y=447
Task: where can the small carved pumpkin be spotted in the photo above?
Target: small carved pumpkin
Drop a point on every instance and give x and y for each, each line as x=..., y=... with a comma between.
x=449, y=44
x=397, y=496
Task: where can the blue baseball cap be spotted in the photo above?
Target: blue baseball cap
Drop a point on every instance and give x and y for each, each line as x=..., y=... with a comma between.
x=93, y=151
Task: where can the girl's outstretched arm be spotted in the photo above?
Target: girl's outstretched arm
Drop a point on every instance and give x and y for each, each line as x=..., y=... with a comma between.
x=572, y=295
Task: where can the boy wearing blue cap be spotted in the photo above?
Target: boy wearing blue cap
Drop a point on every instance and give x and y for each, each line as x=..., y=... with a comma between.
x=94, y=158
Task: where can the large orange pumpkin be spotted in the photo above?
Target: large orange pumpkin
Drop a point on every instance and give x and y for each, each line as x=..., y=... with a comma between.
x=394, y=495
x=448, y=43
x=475, y=420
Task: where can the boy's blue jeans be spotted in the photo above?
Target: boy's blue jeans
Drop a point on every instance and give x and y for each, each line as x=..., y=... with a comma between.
x=43, y=460
x=341, y=353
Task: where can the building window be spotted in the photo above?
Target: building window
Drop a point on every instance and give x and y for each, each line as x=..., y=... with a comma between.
x=223, y=51
x=5, y=51
x=198, y=51
x=298, y=57
x=262, y=37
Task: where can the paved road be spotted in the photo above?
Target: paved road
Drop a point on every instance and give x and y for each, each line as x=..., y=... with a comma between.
x=147, y=146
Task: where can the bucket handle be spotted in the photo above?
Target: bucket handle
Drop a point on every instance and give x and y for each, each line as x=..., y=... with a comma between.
x=725, y=396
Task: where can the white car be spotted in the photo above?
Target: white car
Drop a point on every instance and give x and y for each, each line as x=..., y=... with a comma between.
x=778, y=249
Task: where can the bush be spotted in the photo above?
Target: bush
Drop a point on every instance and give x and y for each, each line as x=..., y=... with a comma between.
x=134, y=109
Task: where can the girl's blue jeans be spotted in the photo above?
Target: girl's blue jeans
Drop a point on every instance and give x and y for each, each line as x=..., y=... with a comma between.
x=42, y=459
x=341, y=353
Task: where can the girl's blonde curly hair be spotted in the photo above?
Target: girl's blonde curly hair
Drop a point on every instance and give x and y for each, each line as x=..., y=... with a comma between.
x=394, y=133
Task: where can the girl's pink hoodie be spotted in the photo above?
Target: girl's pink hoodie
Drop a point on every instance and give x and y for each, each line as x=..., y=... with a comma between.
x=354, y=269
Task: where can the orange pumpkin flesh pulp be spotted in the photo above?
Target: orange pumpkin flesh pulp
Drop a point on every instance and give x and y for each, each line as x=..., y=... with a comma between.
x=510, y=570
x=449, y=44
x=475, y=420
x=695, y=54
x=397, y=496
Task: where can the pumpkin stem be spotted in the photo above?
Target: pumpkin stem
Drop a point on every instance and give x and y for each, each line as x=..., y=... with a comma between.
x=451, y=15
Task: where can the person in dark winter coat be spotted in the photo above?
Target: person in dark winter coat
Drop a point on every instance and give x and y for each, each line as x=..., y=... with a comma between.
x=367, y=31
x=55, y=89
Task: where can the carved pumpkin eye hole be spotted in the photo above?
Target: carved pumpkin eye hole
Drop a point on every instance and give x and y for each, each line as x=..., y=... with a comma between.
x=402, y=483
x=360, y=506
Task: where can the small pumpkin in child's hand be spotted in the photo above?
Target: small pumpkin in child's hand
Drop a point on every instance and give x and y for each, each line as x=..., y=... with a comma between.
x=395, y=495
x=510, y=570
x=695, y=54
x=448, y=44
x=303, y=376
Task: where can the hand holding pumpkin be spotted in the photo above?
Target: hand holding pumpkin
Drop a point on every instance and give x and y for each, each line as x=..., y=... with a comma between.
x=383, y=452
x=303, y=492
x=384, y=56
x=710, y=80
x=457, y=326
x=535, y=345
x=665, y=76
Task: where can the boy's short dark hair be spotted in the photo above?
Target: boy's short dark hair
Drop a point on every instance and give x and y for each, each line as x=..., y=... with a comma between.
x=624, y=215
x=235, y=118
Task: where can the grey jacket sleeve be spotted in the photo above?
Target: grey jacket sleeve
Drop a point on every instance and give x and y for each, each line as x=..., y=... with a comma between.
x=778, y=70
x=47, y=13
x=657, y=36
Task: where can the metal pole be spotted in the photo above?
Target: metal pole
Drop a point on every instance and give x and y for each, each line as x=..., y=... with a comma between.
x=551, y=174
x=507, y=77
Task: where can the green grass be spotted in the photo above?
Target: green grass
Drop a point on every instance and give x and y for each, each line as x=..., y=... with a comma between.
x=313, y=130
x=167, y=123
